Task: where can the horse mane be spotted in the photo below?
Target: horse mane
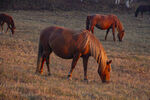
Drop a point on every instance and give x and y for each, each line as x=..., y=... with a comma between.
x=12, y=23
x=82, y=42
x=97, y=51
x=119, y=25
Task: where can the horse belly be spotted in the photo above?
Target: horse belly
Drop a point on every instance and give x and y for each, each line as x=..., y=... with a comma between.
x=63, y=51
x=65, y=55
x=103, y=25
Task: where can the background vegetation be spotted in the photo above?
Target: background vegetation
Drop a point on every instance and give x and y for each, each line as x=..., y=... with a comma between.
x=106, y=5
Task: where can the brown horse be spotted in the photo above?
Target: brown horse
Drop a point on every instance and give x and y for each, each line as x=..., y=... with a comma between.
x=104, y=22
x=69, y=44
x=4, y=18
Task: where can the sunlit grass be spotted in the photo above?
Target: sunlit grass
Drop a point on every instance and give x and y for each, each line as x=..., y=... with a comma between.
x=18, y=55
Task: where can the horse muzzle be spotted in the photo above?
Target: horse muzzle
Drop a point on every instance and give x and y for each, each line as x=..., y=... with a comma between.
x=104, y=81
x=120, y=40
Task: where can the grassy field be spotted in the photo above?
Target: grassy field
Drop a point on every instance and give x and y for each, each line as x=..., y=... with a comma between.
x=130, y=76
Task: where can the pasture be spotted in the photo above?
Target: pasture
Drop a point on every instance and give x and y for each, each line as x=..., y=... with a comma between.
x=130, y=76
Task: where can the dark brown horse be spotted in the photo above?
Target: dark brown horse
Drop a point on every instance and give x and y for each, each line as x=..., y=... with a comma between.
x=141, y=9
x=69, y=44
x=105, y=22
x=4, y=18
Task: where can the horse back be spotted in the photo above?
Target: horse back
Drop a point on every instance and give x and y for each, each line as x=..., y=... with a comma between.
x=144, y=8
x=103, y=21
x=5, y=17
x=62, y=41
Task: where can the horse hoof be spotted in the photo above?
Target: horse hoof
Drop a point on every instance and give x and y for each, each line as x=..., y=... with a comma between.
x=86, y=80
x=49, y=74
x=41, y=73
x=38, y=73
x=69, y=78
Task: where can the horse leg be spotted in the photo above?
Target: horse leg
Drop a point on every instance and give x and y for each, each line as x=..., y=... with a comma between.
x=2, y=26
x=47, y=63
x=74, y=62
x=7, y=27
x=85, y=61
x=107, y=33
x=92, y=27
x=113, y=32
x=42, y=64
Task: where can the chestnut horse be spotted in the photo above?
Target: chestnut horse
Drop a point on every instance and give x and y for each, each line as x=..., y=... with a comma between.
x=70, y=44
x=104, y=22
x=4, y=18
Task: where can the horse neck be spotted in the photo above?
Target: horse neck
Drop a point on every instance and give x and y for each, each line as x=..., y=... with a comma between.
x=12, y=24
x=98, y=53
x=87, y=22
x=119, y=26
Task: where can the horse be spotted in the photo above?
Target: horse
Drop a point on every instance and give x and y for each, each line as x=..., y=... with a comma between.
x=4, y=18
x=104, y=22
x=142, y=9
x=72, y=44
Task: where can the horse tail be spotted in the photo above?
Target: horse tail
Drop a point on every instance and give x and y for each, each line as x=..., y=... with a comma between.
x=137, y=11
x=117, y=23
x=40, y=52
x=87, y=22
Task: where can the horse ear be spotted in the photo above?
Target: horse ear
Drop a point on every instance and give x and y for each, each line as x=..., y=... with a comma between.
x=108, y=62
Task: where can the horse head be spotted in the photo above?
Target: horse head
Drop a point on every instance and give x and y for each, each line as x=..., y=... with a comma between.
x=13, y=30
x=12, y=26
x=120, y=35
x=105, y=74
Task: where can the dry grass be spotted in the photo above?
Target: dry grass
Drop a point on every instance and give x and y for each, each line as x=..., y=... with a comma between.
x=130, y=77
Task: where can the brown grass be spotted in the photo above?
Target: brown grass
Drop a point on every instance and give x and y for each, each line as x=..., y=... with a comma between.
x=130, y=77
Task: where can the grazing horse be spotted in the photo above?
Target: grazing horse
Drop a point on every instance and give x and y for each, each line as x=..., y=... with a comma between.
x=70, y=44
x=142, y=8
x=4, y=18
x=104, y=22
